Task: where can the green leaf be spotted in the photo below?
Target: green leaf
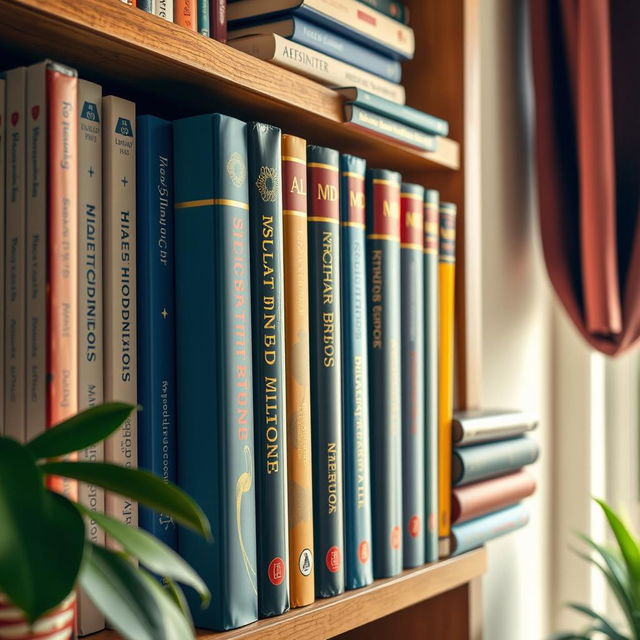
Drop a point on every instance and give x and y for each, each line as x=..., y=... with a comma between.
x=80, y=431
x=142, y=486
x=177, y=595
x=34, y=521
x=604, y=625
x=152, y=553
x=563, y=635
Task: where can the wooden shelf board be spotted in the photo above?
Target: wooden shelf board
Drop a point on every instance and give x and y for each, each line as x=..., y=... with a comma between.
x=181, y=73
x=332, y=616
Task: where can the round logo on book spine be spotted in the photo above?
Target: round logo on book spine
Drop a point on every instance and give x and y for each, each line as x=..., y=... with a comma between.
x=276, y=571
x=363, y=552
x=395, y=537
x=333, y=559
x=414, y=526
x=305, y=562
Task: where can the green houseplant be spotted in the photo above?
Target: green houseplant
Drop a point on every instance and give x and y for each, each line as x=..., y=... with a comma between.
x=620, y=566
x=44, y=553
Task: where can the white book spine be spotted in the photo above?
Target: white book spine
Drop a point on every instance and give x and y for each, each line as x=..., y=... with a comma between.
x=164, y=9
x=2, y=223
x=119, y=269
x=317, y=66
x=90, y=309
x=15, y=231
x=36, y=250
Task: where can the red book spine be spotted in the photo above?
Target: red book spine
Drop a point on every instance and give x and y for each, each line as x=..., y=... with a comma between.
x=62, y=343
x=218, y=20
x=185, y=13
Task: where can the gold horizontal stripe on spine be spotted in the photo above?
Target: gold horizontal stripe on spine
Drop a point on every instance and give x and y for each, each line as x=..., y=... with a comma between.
x=349, y=223
x=383, y=236
x=431, y=252
x=351, y=174
x=189, y=204
x=293, y=159
x=411, y=196
x=431, y=205
x=321, y=165
x=392, y=183
x=447, y=259
x=295, y=212
x=323, y=219
x=411, y=245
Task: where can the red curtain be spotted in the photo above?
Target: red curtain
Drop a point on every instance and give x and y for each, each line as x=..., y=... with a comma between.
x=586, y=71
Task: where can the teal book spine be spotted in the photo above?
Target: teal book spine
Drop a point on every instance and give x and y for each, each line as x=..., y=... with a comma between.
x=267, y=281
x=204, y=18
x=412, y=347
x=323, y=181
x=215, y=403
x=355, y=374
x=430, y=299
x=391, y=8
x=385, y=378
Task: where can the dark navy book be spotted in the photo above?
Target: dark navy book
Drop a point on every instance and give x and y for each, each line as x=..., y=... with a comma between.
x=156, y=314
x=355, y=374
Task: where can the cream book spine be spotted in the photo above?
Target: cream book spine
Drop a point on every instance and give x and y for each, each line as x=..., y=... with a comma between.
x=164, y=9
x=119, y=272
x=3, y=119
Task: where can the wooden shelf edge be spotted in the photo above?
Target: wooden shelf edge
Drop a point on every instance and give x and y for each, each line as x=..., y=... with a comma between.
x=108, y=38
x=332, y=616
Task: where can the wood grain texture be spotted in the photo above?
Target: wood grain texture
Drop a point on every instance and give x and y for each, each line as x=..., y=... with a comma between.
x=334, y=616
x=178, y=72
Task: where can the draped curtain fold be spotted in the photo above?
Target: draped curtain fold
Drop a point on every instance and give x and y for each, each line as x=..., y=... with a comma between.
x=586, y=72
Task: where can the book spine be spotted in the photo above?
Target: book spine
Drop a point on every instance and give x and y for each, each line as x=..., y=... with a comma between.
x=475, y=533
x=164, y=9
x=90, y=310
x=3, y=130
x=15, y=246
x=119, y=269
x=446, y=287
x=265, y=201
x=218, y=11
x=431, y=338
x=388, y=128
x=323, y=179
x=203, y=17
x=412, y=329
x=35, y=330
x=185, y=13
x=215, y=465
x=298, y=395
x=383, y=268
x=391, y=8
x=146, y=5
x=156, y=314
x=317, y=66
x=355, y=374
x=477, y=426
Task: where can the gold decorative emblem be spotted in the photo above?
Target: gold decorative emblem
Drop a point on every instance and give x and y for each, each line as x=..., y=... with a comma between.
x=268, y=184
x=236, y=169
x=243, y=486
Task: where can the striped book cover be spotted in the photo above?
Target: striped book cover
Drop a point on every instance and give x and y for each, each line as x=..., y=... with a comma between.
x=355, y=374
x=298, y=395
x=3, y=120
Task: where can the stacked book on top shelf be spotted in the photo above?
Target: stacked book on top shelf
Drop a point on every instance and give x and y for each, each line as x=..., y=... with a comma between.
x=346, y=45
x=490, y=451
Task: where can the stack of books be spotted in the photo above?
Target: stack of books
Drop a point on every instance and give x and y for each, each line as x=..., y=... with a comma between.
x=490, y=451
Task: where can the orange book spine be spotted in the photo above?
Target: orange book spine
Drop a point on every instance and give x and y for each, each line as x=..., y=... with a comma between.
x=185, y=13
x=62, y=343
x=296, y=282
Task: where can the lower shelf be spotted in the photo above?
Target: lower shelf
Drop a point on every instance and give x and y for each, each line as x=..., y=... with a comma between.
x=334, y=616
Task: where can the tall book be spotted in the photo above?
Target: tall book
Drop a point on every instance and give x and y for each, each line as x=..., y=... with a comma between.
x=35, y=330
x=185, y=13
x=218, y=20
x=215, y=403
x=446, y=282
x=203, y=17
x=156, y=314
x=269, y=381
x=119, y=273
x=385, y=404
x=90, y=310
x=431, y=342
x=15, y=247
x=3, y=128
x=412, y=329
x=298, y=395
x=355, y=374
x=323, y=178
x=164, y=9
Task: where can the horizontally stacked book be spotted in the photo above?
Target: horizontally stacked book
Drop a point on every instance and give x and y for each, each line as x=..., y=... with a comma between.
x=490, y=451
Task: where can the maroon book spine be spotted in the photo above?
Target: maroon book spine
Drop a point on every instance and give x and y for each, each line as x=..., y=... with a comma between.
x=218, y=18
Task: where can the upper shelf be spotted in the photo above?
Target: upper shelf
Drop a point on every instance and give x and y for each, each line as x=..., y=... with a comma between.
x=180, y=73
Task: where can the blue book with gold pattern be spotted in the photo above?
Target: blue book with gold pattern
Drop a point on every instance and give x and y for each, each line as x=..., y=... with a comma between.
x=215, y=404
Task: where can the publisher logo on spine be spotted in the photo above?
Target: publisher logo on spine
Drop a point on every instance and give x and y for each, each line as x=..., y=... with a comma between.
x=305, y=562
x=90, y=112
x=123, y=127
x=363, y=552
x=333, y=559
x=395, y=537
x=276, y=571
x=414, y=526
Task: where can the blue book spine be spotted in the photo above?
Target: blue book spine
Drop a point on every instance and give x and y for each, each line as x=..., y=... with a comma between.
x=145, y=5
x=483, y=461
x=340, y=47
x=156, y=314
x=475, y=533
x=203, y=18
x=215, y=379
x=355, y=374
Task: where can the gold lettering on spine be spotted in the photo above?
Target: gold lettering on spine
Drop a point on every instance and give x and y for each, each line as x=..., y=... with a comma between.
x=332, y=475
x=328, y=287
x=376, y=298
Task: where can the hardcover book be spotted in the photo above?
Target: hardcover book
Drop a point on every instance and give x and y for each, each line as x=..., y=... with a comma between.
x=214, y=369
x=298, y=395
x=164, y=9
x=119, y=273
x=185, y=13
x=204, y=17
x=412, y=330
x=218, y=20
x=355, y=374
x=325, y=328
x=156, y=314
x=385, y=381
x=431, y=339
x=315, y=65
x=391, y=8
x=90, y=310
x=483, y=461
x=15, y=247
x=267, y=280
x=484, y=425
x=145, y=5
x=3, y=120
